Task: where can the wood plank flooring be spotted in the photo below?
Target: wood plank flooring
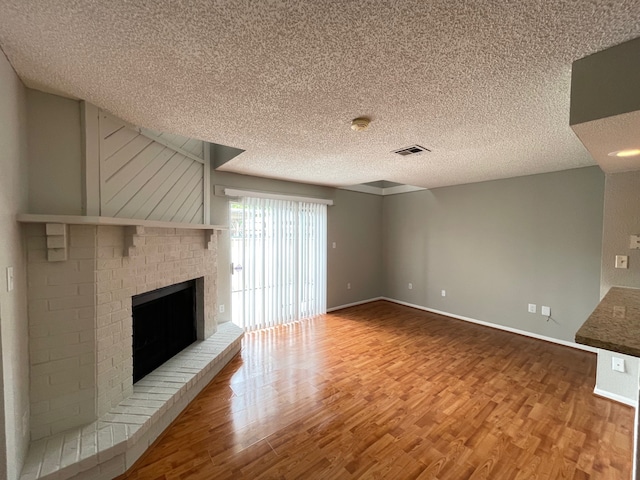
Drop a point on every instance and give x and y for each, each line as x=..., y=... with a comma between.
x=389, y=392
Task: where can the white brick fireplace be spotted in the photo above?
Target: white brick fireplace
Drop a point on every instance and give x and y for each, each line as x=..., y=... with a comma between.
x=137, y=221
x=81, y=280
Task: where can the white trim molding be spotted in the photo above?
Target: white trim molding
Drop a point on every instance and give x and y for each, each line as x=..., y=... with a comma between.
x=233, y=192
x=207, y=183
x=615, y=397
x=401, y=189
x=156, y=138
x=601, y=393
x=91, y=159
x=517, y=331
x=363, y=189
x=382, y=191
x=496, y=326
x=347, y=305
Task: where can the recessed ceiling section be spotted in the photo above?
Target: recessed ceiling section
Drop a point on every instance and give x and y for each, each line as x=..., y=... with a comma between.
x=383, y=184
x=383, y=188
x=605, y=105
x=485, y=84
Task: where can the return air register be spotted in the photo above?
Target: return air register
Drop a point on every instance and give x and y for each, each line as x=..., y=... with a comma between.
x=412, y=150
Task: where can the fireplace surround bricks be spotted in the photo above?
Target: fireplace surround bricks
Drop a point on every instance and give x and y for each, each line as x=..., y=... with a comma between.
x=80, y=322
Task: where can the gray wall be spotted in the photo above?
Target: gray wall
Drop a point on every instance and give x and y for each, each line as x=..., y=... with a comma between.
x=55, y=154
x=497, y=246
x=355, y=225
x=621, y=219
x=353, y=222
x=14, y=404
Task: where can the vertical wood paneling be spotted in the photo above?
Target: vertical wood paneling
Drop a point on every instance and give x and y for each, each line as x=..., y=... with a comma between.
x=150, y=175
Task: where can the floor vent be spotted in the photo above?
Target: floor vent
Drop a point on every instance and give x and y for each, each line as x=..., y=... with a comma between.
x=412, y=150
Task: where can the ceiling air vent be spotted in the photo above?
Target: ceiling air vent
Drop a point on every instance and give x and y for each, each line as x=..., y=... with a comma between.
x=412, y=150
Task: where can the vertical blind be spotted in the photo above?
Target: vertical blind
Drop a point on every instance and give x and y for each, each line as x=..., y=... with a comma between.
x=283, y=250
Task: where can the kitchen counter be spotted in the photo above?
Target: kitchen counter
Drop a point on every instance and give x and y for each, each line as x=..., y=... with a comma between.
x=615, y=326
x=615, y=323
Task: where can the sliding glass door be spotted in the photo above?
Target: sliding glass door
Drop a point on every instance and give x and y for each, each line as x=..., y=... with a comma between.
x=278, y=250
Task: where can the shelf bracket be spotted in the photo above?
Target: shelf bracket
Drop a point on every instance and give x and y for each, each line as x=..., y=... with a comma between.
x=133, y=240
x=56, y=242
x=211, y=239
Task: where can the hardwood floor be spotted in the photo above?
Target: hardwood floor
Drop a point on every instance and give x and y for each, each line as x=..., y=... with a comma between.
x=386, y=391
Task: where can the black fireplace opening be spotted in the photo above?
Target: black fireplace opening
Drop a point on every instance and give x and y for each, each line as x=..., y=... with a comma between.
x=164, y=323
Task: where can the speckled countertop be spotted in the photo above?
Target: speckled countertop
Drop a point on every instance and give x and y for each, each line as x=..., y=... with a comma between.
x=615, y=323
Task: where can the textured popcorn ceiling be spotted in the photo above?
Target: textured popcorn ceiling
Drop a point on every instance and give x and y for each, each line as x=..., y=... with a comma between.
x=483, y=84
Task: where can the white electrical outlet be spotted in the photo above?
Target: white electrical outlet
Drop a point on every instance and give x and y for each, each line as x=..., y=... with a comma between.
x=546, y=311
x=411, y=286
x=348, y=286
x=622, y=261
x=617, y=364
x=221, y=308
x=443, y=293
x=532, y=308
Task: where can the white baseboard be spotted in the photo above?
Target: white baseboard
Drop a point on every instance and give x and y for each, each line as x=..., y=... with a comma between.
x=498, y=327
x=340, y=307
x=601, y=393
x=615, y=397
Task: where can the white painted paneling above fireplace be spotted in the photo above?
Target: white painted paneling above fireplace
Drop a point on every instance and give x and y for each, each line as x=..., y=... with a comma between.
x=146, y=174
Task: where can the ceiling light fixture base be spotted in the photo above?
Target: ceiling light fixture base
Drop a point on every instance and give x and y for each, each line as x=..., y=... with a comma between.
x=360, y=124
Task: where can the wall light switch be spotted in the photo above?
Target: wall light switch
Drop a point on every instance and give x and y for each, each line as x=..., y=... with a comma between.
x=634, y=243
x=348, y=286
x=25, y=424
x=546, y=311
x=617, y=364
x=622, y=261
x=333, y=245
x=9, y=279
x=532, y=308
x=443, y=293
x=411, y=286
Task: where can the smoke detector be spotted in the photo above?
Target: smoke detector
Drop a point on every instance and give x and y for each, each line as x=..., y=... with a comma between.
x=412, y=150
x=359, y=124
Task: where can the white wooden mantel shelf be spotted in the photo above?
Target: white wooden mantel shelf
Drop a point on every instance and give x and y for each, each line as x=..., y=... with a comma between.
x=57, y=236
